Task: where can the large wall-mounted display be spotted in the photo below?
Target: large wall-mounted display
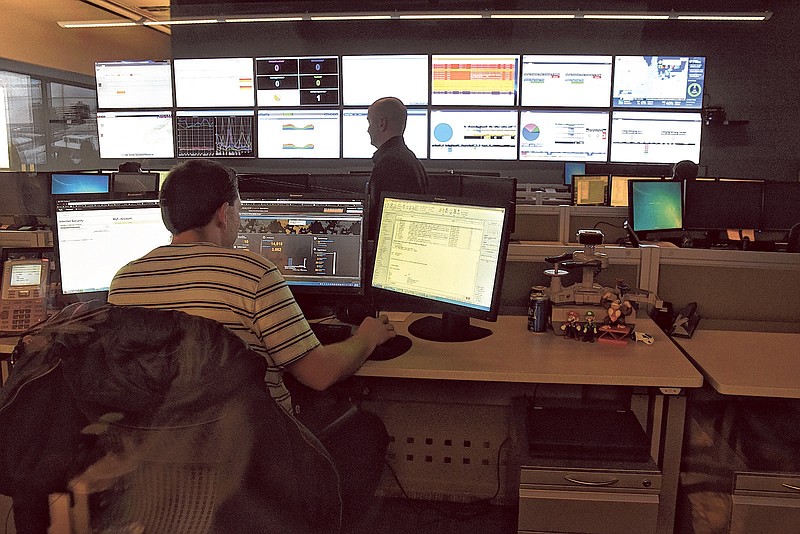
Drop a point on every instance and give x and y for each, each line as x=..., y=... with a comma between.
x=496, y=107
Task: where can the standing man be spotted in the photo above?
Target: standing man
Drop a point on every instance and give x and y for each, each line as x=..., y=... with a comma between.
x=200, y=273
x=395, y=168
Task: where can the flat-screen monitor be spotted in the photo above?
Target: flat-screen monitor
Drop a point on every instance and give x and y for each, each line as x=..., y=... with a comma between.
x=226, y=82
x=215, y=133
x=659, y=82
x=316, y=241
x=474, y=80
x=655, y=137
x=297, y=81
x=355, y=137
x=134, y=84
x=655, y=205
x=566, y=81
x=135, y=182
x=590, y=190
x=719, y=205
x=70, y=183
x=135, y=134
x=474, y=134
x=781, y=205
x=442, y=255
x=365, y=79
x=563, y=135
x=95, y=238
x=571, y=168
x=299, y=133
x=619, y=188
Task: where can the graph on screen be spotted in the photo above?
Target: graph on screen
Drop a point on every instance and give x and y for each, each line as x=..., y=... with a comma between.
x=215, y=134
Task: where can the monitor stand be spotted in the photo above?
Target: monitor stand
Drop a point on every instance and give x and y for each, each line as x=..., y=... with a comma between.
x=450, y=327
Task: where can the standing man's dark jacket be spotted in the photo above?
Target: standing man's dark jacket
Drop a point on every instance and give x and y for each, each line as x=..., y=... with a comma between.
x=397, y=169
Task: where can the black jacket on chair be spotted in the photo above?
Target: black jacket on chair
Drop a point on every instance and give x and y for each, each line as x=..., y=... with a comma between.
x=145, y=374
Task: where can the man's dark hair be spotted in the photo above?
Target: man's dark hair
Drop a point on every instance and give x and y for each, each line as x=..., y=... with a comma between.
x=193, y=191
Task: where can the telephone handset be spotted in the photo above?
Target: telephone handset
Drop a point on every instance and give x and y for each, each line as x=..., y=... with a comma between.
x=23, y=301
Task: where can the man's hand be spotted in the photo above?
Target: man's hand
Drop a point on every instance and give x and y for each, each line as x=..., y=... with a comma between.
x=376, y=330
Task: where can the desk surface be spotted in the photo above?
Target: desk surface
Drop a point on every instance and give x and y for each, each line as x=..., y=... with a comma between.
x=512, y=354
x=761, y=364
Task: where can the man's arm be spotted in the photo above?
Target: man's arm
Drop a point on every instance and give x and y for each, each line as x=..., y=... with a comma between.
x=327, y=364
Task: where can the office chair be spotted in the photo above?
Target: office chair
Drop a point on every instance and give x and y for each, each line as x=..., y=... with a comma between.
x=132, y=419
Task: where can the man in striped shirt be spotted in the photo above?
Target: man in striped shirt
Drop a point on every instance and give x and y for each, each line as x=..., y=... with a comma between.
x=201, y=274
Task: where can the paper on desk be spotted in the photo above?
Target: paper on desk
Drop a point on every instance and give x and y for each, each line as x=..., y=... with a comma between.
x=396, y=316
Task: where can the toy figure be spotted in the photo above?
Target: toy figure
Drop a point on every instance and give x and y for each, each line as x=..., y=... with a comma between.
x=590, y=328
x=616, y=310
x=572, y=327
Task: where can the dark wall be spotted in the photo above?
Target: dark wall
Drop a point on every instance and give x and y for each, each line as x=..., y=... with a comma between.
x=752, y=71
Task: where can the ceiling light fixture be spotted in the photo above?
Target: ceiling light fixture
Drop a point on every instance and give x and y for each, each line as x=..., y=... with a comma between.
x=163, y=25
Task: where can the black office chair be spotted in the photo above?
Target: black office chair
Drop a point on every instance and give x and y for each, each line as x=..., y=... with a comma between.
x=154, y=420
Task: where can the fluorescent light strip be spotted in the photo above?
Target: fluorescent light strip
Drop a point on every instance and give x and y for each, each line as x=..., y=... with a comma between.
x=723, y=17
x=296, y=17
x=350, y=17
x=532, y=16
x=439, y=16
x=625, y=16
x=176, y=22
x=267, y=19
x=97, y=24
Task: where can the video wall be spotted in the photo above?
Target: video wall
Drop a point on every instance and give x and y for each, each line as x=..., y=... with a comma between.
x=577, y=108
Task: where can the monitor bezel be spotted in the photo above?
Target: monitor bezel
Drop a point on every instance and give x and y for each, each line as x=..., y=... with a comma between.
x=385, y=297
x=579, y=177
x=692, y=211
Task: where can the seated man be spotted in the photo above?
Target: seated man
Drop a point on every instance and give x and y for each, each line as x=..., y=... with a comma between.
x=202, y=274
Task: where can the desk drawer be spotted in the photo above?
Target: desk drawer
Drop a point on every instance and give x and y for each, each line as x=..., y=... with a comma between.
x=591, y=501
x=765, y=503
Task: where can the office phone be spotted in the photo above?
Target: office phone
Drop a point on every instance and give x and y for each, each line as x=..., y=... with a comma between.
x=23, y=301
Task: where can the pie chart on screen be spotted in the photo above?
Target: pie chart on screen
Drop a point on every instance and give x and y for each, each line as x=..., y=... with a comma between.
x=530, y=132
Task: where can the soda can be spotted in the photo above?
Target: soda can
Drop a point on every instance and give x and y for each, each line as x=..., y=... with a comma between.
x=538, y=311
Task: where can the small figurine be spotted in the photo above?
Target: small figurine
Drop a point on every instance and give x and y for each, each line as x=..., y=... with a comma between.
x=590, y=328
x=572, y=327
x=616, y=310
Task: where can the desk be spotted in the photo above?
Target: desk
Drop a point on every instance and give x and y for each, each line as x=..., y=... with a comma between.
x=753, y=443
x=490, y=371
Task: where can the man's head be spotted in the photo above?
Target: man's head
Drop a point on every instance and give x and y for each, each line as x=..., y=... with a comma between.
x=198, y=192
x=387, y=119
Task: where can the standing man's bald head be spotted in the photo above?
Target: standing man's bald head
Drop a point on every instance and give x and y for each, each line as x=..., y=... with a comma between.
x=387, y=119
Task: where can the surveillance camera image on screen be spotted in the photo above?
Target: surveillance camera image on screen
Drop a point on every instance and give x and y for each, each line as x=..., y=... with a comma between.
x=444, y=255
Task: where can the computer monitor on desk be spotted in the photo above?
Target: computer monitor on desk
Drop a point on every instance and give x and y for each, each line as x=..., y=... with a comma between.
x=95, y=237
x=442, y=255
x=655, y=206
x=317, y=241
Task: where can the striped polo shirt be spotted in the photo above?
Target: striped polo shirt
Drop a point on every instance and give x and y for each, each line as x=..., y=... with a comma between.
x=237, y=288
